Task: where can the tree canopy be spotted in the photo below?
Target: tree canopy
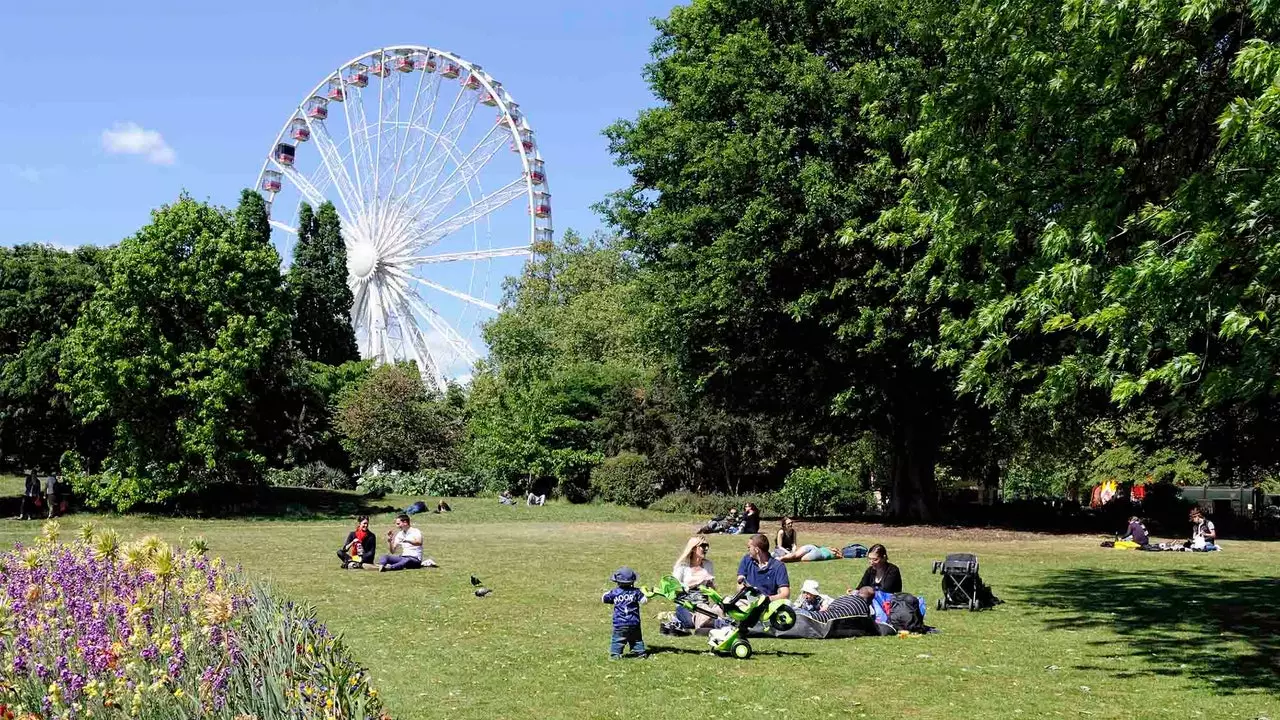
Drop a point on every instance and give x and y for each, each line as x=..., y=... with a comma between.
x=42, y=290
x=317, y=279
x=182, y=351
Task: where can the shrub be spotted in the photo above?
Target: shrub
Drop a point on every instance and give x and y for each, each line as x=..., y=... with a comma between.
x=819, y=491
x=314, y=475
x=625, y=479
x=707, y=505
x=390, y=419
x=147, y=630
x=444, y=483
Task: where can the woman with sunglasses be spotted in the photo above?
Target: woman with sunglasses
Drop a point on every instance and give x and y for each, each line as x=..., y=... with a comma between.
x=692, y=568
x=694, y=571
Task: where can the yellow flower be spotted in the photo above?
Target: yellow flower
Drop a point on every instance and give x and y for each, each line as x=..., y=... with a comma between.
x=177, y=693
x=217, y=609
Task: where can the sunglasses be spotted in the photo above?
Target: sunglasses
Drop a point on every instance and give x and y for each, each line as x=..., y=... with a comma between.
x=705, y=547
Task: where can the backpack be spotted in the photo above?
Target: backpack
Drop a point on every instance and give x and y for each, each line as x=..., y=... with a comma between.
x=905, y=614
x=853, y=551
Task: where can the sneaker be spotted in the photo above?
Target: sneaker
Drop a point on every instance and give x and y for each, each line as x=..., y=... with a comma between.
x=615, y=657
x=643, y=656
x=674, y=629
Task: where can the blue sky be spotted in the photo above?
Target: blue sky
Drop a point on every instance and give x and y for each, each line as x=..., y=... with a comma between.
x=113, y=108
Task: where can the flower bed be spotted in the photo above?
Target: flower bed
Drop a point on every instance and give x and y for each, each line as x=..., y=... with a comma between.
x=94, y=628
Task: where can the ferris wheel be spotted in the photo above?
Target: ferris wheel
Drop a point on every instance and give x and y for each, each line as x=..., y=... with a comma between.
x=439, y=186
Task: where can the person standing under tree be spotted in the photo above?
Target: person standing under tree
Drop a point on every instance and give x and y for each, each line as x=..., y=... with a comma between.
x=30, y=496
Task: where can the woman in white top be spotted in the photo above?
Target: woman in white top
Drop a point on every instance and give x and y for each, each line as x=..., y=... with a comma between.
x=692, y=568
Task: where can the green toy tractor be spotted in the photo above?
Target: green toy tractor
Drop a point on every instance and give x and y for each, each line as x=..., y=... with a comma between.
x=741, y=612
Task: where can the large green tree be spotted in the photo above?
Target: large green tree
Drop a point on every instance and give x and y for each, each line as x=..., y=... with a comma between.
x=318, y=280
x=42, y=290
x=1099, y=183
x=183, y=352
x=573, y=377
x=759, y=181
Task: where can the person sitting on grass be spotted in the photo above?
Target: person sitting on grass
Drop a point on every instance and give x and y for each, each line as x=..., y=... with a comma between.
x=536, y=500
x=405, y=541
x=881, y=574
x=1204, y=537
x=786, y=539
x=762, y=571
x=626, y=600
x=720, y=523
x=693, y=571
x=750, y=520
x=358, y=549
x=810, y=553
x=1136, y=532
x=505, y=498
x=811, y=599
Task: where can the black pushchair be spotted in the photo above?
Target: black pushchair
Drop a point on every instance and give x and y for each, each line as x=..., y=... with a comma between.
x=962, y=586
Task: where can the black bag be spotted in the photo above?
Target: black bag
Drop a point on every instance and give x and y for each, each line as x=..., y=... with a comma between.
x=904, y=613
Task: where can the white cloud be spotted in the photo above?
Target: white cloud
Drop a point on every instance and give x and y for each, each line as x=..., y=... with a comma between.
x=130, y=138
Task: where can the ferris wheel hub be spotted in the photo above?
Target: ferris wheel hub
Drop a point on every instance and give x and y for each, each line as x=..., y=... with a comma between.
x=362, y=258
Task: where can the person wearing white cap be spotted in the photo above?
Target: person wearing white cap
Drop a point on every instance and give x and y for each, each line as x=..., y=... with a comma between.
x=811, y=599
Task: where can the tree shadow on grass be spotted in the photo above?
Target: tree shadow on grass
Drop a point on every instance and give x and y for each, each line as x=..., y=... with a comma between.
x=1224, y=631
x=261, y=502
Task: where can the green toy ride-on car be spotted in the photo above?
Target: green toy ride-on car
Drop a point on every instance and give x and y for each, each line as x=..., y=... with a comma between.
x=742, y=611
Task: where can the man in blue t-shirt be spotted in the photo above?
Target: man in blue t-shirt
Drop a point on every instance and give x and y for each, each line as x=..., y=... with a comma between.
x=763, y=571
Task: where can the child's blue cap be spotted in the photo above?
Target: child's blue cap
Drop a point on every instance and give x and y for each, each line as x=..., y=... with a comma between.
x=624, y=576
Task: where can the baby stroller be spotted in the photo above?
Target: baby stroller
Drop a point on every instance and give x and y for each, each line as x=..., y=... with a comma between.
x=962, y=586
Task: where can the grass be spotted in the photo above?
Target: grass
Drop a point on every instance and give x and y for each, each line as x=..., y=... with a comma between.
x=1085, y=633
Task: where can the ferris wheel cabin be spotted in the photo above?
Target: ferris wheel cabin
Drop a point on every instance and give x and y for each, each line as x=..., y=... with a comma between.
x=272, y=181
x=404, y=61
x=317, y=108
x=451, y=70
x=380, y=67
x=526, y=141
x=427, y=62
x=284, y=154
x=358, y=75
x=537, y=171
x=335, y=92
x=542, y=204
x=298, y=130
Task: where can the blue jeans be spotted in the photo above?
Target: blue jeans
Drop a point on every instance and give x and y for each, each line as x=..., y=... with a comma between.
x=399, y=562
x=623, y=636
x=685, y=617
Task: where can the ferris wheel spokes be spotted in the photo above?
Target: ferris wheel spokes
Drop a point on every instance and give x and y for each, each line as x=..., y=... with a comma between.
x=464, y=173
x=337, y=169
x=422, y=189
x=464, y=255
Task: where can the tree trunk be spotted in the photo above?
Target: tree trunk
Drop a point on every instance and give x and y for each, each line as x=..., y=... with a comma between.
x=914, y=486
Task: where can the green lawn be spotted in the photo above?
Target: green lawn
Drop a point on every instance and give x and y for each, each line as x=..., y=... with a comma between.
x=1086, y=632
